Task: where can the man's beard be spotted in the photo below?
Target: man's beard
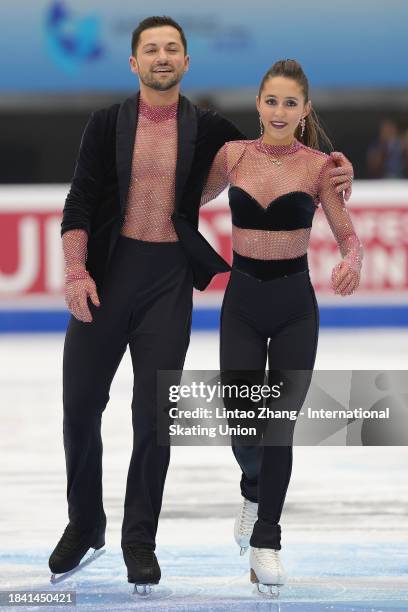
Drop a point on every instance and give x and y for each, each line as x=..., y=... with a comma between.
x=151, y=81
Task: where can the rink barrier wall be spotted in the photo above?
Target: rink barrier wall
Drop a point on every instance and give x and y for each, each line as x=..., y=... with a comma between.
x=31, y=260
x=207, y=319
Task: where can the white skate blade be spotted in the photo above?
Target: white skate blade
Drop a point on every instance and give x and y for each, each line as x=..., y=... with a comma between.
x=150, y=593
x=268, y=590
x=55, y=578
x=142, y=589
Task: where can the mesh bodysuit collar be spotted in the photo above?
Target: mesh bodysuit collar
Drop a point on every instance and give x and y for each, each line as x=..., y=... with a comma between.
x=277, y=149
x=157, y=113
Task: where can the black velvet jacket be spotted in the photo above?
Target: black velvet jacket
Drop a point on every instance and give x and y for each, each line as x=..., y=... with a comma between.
x=97, y=199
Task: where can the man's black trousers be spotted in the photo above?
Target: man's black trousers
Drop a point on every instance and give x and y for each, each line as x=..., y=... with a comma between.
x=146, y=303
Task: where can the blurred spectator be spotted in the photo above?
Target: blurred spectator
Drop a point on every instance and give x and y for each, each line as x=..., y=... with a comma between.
x=404, y=140
x=206, y=102
x=385, y=159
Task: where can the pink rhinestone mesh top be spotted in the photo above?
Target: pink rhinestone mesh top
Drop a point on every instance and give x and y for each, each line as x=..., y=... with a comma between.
x=264, y=173
x=152, y=184
x=152, y=187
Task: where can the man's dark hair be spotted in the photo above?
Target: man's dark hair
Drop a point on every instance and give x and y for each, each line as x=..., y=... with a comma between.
x=156, y=22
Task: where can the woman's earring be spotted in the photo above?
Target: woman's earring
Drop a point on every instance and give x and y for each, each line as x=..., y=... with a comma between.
x=302, y=124
x=261, y=125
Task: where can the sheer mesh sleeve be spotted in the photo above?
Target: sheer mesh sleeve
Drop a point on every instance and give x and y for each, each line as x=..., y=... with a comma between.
x=74, y=244
x=217, y=179
x=339, y=218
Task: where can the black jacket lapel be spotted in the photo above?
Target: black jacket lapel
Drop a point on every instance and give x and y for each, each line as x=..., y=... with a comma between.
x=186, y=141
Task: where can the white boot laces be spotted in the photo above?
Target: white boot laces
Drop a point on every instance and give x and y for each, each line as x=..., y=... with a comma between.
x=269, y=558
x=248, y=515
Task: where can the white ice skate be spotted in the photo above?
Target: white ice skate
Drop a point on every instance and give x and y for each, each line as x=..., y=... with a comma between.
x=244, y=524
x=266, y=571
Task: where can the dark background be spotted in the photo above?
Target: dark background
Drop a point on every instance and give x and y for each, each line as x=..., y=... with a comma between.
x=40, y=146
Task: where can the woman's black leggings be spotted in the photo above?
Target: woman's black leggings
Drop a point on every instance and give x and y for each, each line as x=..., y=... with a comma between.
x=275, y=320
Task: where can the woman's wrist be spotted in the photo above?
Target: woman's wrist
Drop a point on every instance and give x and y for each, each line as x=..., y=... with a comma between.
x=354, y=261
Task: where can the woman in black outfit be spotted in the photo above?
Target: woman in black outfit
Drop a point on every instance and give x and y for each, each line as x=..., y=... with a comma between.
x=269, y=311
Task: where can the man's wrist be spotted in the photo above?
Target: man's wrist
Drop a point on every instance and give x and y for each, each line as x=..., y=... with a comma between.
x=78, y=273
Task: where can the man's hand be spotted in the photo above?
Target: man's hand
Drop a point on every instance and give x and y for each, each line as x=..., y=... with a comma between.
x=344, y=278
x=77, y=291
x=342, y=175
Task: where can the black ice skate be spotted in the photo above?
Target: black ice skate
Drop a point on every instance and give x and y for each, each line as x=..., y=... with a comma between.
x=143, y=567
x=72, y=547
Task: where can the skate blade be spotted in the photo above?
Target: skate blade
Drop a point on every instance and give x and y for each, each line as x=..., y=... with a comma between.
x=271, y=591
x=56, y=578
x=146, y=590
x=266, y=590
x=143, y=590
x=243, y=550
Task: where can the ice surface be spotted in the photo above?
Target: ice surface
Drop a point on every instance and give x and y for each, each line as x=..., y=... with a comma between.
x=345, y=521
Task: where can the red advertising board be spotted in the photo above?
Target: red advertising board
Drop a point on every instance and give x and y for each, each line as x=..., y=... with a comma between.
x=31, y=262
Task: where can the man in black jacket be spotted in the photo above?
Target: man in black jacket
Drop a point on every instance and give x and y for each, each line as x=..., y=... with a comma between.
x=133, y=250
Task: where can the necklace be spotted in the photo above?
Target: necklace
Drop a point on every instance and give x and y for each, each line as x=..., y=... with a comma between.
x=273, y=150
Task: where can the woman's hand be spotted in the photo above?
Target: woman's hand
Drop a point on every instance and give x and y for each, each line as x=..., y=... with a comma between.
x=77, y=291
x=342, y=175
x=345, y=279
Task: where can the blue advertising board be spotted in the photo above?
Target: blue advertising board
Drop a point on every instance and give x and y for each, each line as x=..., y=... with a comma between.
x=77, y=46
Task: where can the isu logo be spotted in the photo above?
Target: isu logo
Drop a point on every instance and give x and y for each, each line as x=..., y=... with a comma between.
x=72, y=41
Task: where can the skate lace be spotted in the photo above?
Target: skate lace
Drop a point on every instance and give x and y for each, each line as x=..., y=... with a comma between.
x=69, y=540
x=247, y=518
x=139, y=554
x=269, y=558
